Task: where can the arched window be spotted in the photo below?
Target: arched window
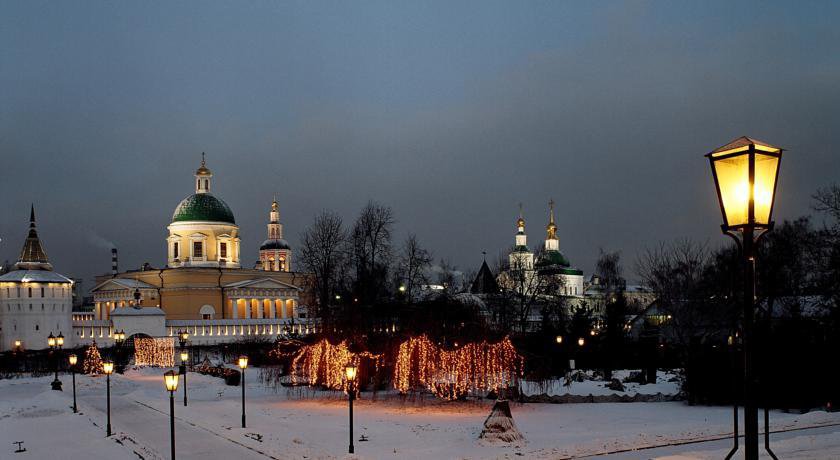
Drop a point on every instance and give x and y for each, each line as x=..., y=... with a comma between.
x=175, y=250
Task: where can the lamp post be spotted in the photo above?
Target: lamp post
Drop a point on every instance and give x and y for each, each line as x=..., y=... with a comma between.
x=119, y=340
x=170, y=379
x=183, y=369
x=243, y=363
x=73, y=359
x=745, y=172
x=351, y=373
x=108, y=369
x=55, y=344
x=183, y=336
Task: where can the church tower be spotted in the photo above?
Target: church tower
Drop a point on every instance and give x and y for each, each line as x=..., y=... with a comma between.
x=521, y=258
x=551, y=241
x=275, y=252
x=35, y=301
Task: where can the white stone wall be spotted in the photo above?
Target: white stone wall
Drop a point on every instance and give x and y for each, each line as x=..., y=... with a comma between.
x=29, y=312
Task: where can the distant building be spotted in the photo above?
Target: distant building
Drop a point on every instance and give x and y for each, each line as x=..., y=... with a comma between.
x=35, y=301
x=547, y=273
x=203, y=288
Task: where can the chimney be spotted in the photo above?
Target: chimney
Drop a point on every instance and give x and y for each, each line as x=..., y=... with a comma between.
x=113, y=261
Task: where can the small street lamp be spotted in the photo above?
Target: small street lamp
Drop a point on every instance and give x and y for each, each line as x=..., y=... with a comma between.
x=73, y=359
x=243, y=363
x=183, y=336
x=351, y=373
x=18, y=345
x=559, y=339
x=55, y=344
x=108, y=369
x=119, y=340
x=183, y=369
x=170, y=379
x=581, y=342
x=746, y=172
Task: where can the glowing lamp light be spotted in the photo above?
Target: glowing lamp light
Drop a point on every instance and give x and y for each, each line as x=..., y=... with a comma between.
x=351, y=371
x=559, y=339
x=184, y=356
x=170, y=379
x=402, y=288
x=73, y=359
x=17, y=344
x=51, y=340
x=59, y=340
x=745, y=173
x=108, y=367
x=592, y=332
x=243, y=362
x=185, y=335
x=581, y=342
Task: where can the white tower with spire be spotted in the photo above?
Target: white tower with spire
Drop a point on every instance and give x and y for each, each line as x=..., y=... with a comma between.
x=275, y=252
x=551, y=241
x=35, y=301
x=521, y=258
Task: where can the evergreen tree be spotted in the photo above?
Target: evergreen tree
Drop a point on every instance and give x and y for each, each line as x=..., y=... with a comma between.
x=93, y=360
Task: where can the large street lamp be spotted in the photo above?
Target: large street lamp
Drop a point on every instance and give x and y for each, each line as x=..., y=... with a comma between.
x=183, y=368
x=119, y=340
x=745, y=173
x=183, y=336
x=55, y=344
x=108, y=369
x=243, y=363
x=170, y=379
x=351, y=373
x=73, y=359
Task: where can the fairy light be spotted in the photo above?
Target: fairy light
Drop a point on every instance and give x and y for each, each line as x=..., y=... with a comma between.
x=157, y=351
x=93, y=360
x=324, y=364
x=449, y=374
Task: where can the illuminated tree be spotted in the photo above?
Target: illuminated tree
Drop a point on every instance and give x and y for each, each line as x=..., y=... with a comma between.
x=93, y=360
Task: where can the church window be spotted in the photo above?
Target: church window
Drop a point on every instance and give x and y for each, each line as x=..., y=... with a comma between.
x=175, y=250
x=198, y=249
x=42, y=292
x=30, y=292
x=30, y=307
x=206, y=184
x=36, y=327
x=223, y=250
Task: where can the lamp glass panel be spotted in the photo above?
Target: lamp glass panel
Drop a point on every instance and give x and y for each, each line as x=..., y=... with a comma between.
x=766, y=167
x=733, y=182
x=108, y=367
x=73, y=360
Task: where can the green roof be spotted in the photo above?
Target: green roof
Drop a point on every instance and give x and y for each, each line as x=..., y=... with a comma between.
x=550, y=258
x=520, y=249
x=203, y=207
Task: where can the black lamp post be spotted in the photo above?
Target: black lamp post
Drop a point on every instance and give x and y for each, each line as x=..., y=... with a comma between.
x=170, y=379
x=108, y=369
x=243, y=363
x=55, y=344
x=119, y=340
x=73, y=359
x=351, y=373
x=183, y=370
x=745, y=172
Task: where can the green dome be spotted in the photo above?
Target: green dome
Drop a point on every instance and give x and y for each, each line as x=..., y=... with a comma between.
x=203, y=207
x=553, y=258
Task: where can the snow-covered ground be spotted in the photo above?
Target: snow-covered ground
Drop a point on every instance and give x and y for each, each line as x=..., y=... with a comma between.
x=667, y=383
x=283, y=426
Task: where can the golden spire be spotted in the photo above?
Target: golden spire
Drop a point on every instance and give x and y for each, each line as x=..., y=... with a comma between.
x=551, y=229
x=274, y=204
x=202, y=170
x=521, y=221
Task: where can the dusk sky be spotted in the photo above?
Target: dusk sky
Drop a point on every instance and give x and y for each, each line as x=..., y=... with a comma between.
x=452, y=113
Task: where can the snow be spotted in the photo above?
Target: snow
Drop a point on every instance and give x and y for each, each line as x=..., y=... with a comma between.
x=666, y=384
x=284, y=425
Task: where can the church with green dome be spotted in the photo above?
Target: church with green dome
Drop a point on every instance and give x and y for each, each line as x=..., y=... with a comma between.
x=549, y=271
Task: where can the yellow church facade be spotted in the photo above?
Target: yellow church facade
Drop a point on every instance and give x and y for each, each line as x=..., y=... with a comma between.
x=204, y=286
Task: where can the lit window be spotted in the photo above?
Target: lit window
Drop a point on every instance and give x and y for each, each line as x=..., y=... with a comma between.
x=198, y=249
x=223, y=250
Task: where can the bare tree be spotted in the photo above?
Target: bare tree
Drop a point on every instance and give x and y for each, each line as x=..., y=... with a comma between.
x=523, y=286
x=371, y=238
x=827, y=200
x=323, y=252
x=446, y=277
x=413, y=267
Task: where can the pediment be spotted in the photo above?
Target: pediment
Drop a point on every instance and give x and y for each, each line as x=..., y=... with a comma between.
x=261, y=283
x=118, y=284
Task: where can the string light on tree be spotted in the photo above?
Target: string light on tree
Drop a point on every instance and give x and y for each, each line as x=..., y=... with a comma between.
x=450, y=374
x=157, y=351
x=324, y=364
x=93, y=360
